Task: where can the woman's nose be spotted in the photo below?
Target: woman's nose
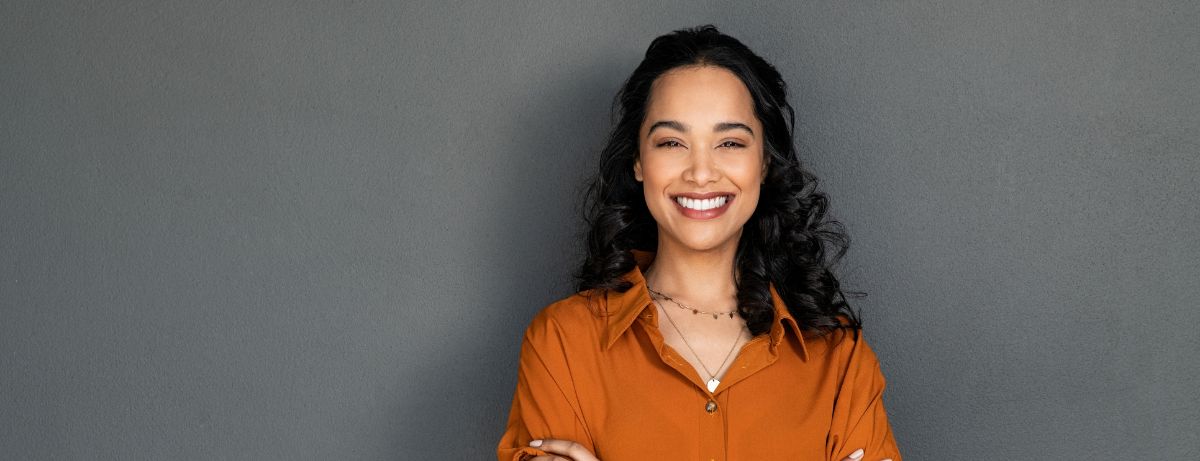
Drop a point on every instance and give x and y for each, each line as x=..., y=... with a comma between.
x=703, y=168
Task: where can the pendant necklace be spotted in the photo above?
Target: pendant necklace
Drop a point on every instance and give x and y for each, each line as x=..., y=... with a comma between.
x=713, y=382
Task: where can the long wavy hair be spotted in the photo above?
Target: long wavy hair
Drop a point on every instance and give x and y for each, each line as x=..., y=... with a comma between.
x=788, y=241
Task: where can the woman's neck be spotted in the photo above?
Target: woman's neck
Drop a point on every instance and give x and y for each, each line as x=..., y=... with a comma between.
x=705, y=278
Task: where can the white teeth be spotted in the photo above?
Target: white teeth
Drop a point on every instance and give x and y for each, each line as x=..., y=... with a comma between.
x=701, y=205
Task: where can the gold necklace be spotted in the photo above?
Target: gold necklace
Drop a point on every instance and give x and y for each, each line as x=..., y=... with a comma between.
x=713, y=382
x=688, y=308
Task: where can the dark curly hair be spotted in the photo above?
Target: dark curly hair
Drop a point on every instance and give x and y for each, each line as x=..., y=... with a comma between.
x=787, y=241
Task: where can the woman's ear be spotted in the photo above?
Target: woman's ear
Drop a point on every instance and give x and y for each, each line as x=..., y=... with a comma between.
x=637, y=170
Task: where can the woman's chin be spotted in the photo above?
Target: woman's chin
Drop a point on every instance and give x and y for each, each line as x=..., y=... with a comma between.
x=705, y=245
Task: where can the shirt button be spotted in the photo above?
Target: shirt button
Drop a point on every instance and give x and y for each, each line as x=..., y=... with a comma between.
x=710, y=407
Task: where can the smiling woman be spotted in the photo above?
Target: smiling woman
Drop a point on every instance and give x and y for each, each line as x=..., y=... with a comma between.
x=699, y=157
x=701, y=215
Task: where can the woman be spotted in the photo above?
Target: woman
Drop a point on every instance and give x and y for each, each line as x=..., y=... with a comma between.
x=708, y=323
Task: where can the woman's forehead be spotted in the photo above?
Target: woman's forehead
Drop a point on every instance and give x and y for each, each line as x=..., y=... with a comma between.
x=700, y=96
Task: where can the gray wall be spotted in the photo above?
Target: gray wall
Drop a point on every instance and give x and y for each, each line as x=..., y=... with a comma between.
x=266, y=230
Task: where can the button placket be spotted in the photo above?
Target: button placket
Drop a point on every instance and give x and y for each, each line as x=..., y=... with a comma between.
x=712, y=429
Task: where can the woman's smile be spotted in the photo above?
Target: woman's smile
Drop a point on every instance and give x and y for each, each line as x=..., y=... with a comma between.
x=703, y=206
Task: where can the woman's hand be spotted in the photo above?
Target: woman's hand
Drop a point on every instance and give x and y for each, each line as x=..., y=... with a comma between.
x=570, y=450
x=573, y=451
x=858, y=456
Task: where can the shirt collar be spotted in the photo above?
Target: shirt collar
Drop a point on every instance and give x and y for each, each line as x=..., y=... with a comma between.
x=624, y=308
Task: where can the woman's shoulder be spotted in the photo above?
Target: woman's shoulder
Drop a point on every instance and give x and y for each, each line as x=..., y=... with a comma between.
x=578, y=316
x=842, y=342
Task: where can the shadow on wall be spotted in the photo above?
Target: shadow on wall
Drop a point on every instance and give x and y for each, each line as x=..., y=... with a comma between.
x=552, y=131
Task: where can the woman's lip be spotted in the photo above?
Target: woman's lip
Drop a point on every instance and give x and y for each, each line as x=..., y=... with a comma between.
x=706, y=195
x=705, y=214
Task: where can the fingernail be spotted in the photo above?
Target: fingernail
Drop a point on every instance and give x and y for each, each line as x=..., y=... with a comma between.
x=857, y=453
x=536, y=443
x=889, y=459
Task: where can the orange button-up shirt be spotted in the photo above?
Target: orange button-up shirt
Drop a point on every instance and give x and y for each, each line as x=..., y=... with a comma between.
x=595, y=370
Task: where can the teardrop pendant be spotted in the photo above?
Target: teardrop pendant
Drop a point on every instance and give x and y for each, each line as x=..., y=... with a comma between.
x=712, y=384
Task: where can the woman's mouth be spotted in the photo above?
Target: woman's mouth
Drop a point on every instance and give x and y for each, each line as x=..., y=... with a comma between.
x=703, y=208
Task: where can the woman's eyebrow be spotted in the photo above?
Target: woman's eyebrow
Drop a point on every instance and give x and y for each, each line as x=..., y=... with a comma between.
x=669, y=124
x=723, y=126
x=726, y=126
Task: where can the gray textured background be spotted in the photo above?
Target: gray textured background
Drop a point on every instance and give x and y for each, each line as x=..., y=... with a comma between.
x=270, y=230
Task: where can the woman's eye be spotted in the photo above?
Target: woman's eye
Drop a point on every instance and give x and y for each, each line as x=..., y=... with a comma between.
x=669, y=143
x=732, y=144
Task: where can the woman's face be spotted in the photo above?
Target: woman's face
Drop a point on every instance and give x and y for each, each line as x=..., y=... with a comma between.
x=700, y=157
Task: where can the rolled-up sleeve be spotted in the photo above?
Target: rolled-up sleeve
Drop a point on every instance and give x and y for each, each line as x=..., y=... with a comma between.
x=545, y=404
x=859, y=418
